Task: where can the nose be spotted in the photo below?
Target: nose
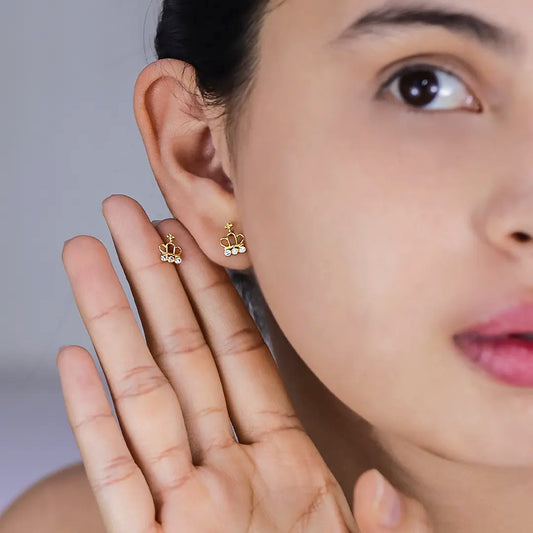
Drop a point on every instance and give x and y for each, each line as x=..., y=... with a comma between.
x=520, y=236
x=508, y=220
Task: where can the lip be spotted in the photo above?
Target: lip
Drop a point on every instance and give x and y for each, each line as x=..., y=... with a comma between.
x=489, y=346
x=515, y=319
x=507, y=359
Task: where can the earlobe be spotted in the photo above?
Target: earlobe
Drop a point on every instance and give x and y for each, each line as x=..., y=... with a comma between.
x=178, y=136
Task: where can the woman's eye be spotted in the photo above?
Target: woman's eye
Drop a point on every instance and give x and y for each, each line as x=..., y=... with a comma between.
x=428, y=87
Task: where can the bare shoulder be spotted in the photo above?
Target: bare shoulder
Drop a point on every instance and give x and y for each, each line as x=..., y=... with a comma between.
x=60, y=502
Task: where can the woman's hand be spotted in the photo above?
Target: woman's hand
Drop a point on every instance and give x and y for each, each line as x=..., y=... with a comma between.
x=173, y=463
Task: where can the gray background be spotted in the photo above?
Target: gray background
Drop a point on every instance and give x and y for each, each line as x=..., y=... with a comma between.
x=68, y=140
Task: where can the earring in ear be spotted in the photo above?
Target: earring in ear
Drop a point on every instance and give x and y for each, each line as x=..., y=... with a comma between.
x=232, y=244
x=169, y=251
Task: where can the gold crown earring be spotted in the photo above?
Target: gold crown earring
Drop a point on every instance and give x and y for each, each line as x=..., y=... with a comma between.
x=232, y=244
x=168, y=254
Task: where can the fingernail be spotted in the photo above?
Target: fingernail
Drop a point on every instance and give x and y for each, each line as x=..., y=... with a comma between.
x=387, y=502
x=156, y=222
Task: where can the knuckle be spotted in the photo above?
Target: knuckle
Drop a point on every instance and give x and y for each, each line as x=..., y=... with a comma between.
x=179, y=341
x=115, y=471
x=277, y=431
x=321, y=493
x=169, y=453
x=203, y=413
x=90, y=420
x=151, y=265
x=174, y=468
x=221, y=443
x=220, y=281
x=140, y=380
x=176, y=482
x=277, y=422
x=109, y=311
x=245, y=340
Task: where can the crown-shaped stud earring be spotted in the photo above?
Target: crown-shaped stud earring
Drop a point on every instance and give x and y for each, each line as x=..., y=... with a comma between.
x=169, y=251
x=232, y=244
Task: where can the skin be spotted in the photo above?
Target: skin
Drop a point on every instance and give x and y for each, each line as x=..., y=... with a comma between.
x=399, y=179
x=394, y=229
x=376, y=235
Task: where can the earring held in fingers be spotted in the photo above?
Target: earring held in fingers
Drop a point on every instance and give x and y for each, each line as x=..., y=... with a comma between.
x=169, y=251
x=232, y=244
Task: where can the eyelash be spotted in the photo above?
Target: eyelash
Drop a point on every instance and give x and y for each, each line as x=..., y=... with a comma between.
x=424, y=67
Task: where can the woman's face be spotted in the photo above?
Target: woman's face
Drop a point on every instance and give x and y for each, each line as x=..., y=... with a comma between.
x=378, y=229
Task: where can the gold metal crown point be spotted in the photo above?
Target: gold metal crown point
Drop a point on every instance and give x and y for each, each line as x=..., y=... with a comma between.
x=233, y=244
x=169, y=251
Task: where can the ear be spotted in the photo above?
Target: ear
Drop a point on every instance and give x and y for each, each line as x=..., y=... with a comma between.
x=187, y=149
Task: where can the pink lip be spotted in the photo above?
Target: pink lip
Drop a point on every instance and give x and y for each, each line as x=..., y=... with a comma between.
x=490, y=346
x=516, y=319
x=507, y=359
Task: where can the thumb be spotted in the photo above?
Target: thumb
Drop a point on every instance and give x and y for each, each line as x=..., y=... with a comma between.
x=379, y=508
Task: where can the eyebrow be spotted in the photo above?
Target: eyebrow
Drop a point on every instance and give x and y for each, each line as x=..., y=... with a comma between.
x=467, y=24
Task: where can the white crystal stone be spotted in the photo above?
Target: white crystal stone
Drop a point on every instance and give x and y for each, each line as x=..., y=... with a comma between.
x=227, y=252
x=170, y=259
x=178, y=259
x=235, y=251
x=163, y=258
x=242, y=249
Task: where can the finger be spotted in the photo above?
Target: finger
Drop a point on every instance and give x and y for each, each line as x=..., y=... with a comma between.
x=255, y=393
x=147, y=407
x=379, y=510
x=172, y=331
x=115, y=479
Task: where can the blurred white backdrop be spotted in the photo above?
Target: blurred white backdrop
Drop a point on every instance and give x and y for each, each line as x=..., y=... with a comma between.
x=68, y=139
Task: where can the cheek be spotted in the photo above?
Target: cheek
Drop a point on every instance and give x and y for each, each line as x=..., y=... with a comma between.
x=343, y=243
x=330, y=252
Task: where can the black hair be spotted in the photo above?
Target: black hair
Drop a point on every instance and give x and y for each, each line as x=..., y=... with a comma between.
x=219, y=39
